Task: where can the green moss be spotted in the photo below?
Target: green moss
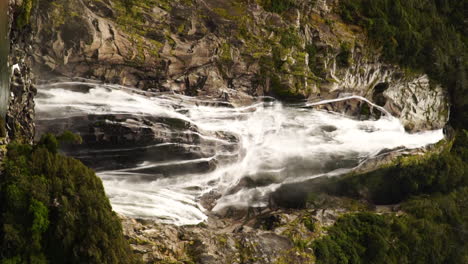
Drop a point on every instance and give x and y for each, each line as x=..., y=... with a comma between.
x=344, y=58
x=139, y=241
x=181, y=29
x=246, y=252
x=24, y=16
x=277, y=6
x=300, y=68
x=222, y=240
x=225, y=54
x=309, y=224
x=59, y=14
x=223, y=13
x=290, y=38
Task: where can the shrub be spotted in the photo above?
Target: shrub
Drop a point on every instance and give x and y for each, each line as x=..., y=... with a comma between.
x=433, y=230
x=409, y=176
x=343, y=59
x=54, y=209
x=24, y=13
x=277, y=6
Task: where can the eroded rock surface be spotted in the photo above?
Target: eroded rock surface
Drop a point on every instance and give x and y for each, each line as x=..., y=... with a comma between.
x=231, y=50
x=19, y=119
x=267, y=237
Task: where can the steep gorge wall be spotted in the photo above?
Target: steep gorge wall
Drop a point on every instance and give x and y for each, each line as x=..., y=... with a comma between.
x=19, y=118
x=228, y=49
x=20, y=114
x=4, y=50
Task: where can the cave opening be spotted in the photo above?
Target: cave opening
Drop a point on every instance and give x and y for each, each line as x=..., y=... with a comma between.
x=378, y=96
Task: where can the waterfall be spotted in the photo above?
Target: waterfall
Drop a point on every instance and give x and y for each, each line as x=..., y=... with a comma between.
x=167, y=152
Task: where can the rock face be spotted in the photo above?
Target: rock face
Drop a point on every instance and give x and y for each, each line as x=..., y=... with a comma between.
x=122, y=141
x=231, y=50
x=269, y=237
x=19, y=120
x=20, y=115
x=4, y=54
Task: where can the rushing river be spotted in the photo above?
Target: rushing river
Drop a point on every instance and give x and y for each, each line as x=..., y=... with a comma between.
x=194, y=147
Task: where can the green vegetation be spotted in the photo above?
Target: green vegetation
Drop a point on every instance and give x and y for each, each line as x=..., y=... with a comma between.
x=24, y=13
x=344, y=57
x=277, y=6
x=423, y=35
x=225, y=54
x=290, y=38
x=432, y=230
x=426, y=36
x=54, y=209
x=409, y=176
x=281, y=90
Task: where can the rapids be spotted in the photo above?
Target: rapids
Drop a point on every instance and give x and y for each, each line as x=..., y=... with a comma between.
x=269, y=142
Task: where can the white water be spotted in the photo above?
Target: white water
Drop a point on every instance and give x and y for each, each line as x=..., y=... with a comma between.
x=279, y=143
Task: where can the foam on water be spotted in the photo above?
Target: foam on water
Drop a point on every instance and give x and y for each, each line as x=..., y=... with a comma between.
x=279, y=143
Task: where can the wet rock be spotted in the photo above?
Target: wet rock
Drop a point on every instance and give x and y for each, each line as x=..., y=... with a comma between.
x=208, y=200
x=20, y=113
x=420, y=104
x=268, y=237
x=196, y=49
x=123, y=141
x=328, y=128
x=355, y=108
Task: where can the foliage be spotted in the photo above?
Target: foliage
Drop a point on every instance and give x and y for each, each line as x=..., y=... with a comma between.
x=277, y=6
x=289, y=38
x=344, y=57
x=408, y=176
x=128, y=4
x=24, y=13
x=70, y=137
x=54, y=209
x=424, y=35
x=225, y=54
x=433, y=230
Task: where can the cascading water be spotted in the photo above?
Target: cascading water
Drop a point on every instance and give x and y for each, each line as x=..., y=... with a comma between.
x=4, y=52
x=158, y=154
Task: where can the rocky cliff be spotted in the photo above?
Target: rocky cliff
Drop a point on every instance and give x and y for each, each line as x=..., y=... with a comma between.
x=20, y=115
x=234, y=50
x=229, y=49
x=19, y=120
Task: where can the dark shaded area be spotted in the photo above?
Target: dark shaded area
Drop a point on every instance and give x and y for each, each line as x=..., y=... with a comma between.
x=433, y=230
x=377, y=97
x=123, y=141
x=406, y=177
x=277, y=6
x=409, y=176
x=54, y=209
x=74, y=32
